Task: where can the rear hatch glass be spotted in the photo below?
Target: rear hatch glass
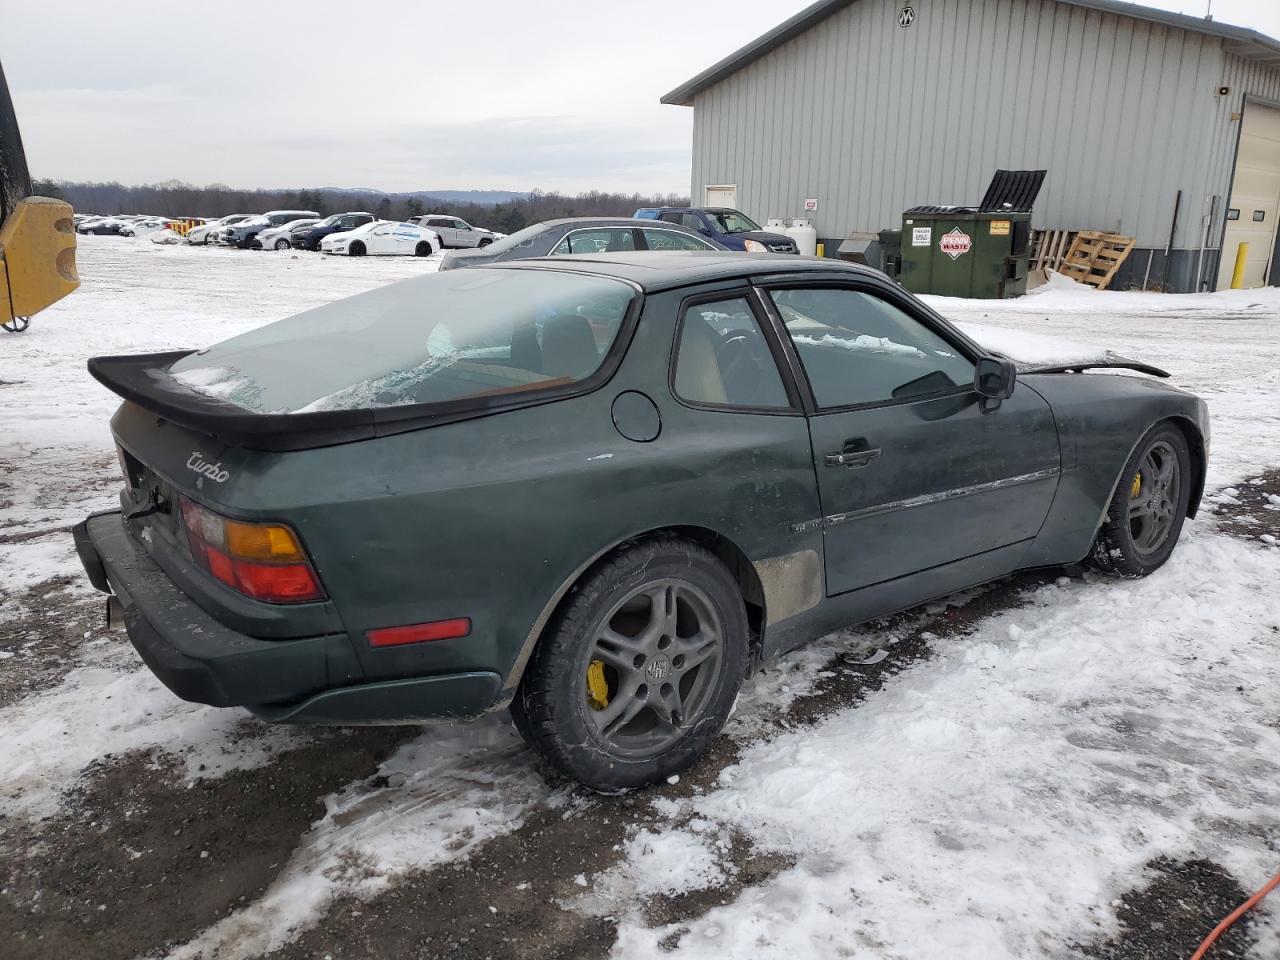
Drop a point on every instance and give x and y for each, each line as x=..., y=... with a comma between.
x=450, y=336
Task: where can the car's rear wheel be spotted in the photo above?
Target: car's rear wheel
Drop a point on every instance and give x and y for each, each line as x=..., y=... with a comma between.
x=282, y=244
x=423, y=249
x=356, y=249
x=1148, y=508
x=639, y=669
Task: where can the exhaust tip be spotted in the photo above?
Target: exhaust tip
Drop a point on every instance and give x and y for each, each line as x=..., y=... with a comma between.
x=115, y=613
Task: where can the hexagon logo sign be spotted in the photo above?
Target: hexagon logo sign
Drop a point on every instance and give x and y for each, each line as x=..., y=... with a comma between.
x=955, y=242
x=906, y=16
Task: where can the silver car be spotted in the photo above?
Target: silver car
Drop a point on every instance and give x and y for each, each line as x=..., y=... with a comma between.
x=456, y=232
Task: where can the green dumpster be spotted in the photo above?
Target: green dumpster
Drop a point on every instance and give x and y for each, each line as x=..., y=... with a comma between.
x=978, y=252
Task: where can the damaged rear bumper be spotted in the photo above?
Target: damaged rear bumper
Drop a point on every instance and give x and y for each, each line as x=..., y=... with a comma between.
x=305, y=680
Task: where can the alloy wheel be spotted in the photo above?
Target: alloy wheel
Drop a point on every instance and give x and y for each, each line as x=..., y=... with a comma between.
x=1153, y=497
x=652, y=667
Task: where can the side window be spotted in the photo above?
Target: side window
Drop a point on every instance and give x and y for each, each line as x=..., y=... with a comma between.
x=722, y=358
x=857, y=348
x=671, y=240
x=602, y=240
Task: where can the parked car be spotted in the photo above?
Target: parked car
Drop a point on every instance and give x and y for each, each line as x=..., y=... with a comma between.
x=210, y=232
x=241, y=234
x=581, y=235
x=383, y=238
x=277, y=238
x=106, y=226
x=732, y=228
x=308, y=238
x=143, y=226
x=456, y=232
x=599, y=490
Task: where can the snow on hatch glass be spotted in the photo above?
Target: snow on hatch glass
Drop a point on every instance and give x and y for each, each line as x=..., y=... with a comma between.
x=448, y=336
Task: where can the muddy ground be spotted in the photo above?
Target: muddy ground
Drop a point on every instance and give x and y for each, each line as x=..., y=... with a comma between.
x=139, y=860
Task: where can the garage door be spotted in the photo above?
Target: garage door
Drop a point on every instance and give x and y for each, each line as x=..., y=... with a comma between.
x=1254, y=207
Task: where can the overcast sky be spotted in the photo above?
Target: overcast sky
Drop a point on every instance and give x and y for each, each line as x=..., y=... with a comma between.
x=391, y=94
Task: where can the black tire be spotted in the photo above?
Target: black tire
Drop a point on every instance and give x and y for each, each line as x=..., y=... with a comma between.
x=660, y=715
x=282, y=244
x=484, y=243
x=423, y=249
x=1146, y=513
x=356, y=249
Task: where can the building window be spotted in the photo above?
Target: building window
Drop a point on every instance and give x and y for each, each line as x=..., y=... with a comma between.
x=1233, y=214
x=1259, y=216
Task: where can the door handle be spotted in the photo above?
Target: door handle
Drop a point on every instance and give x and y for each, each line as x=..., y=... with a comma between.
x=853, y=458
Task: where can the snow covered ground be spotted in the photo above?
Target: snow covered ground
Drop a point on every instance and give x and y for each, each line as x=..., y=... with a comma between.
x=999, y=786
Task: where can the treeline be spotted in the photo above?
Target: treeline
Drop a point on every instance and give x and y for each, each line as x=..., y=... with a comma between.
x=174, y=198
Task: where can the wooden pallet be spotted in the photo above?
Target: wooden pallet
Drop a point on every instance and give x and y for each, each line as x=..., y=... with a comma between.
x=1049, y=248
x=1095, y=257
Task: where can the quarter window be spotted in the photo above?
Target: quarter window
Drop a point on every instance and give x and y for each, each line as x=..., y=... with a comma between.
x=603, y=240
x=723, y=358
x=857, y=348
x=671, y=240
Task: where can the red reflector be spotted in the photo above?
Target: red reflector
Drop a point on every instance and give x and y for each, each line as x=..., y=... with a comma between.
x=278, y=582
x=420, y=632
x=220, y=565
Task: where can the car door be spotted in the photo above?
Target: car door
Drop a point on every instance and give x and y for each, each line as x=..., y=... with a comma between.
x=464, y=234
x=914, y=471
x=381, y=239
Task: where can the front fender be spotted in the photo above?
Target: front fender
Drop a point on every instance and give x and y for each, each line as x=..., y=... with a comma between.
x=1100, y=419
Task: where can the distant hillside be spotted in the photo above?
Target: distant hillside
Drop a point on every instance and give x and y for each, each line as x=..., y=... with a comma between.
x=453, y=196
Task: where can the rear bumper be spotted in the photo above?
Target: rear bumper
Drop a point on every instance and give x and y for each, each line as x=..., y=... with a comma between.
x=307, y=680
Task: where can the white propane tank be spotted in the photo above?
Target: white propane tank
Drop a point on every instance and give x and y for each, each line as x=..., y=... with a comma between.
x=776, y=225
x=806, y=238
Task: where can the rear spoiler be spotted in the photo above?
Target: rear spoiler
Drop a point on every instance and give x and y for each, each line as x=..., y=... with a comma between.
x=1117, y=364
x=144, y=379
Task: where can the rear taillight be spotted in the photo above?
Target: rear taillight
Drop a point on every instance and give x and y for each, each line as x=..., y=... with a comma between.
x=260, y=560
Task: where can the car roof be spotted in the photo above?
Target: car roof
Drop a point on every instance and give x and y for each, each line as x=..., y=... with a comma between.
x=602, y=222
x=654, y=270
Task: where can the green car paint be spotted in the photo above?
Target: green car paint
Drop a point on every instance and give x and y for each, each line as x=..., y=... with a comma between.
x=493, y=512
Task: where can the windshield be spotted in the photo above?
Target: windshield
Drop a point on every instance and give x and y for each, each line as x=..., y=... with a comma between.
x=731, y=221
x=447, y=336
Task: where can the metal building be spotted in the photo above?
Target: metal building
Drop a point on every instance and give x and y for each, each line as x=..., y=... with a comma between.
x=874, y=106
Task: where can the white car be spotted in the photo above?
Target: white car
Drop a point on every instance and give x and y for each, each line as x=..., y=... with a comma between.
x=383, y=238
x=140, y=228
x=277, y=238
x=456, y=232
x=208, y=232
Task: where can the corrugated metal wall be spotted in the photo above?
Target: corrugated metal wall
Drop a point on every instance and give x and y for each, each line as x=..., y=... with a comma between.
x=872, y=118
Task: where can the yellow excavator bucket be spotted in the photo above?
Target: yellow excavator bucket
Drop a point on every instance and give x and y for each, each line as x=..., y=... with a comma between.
x=37, y=257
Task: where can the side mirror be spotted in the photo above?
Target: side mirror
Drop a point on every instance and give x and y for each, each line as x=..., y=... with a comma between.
x=993, y=381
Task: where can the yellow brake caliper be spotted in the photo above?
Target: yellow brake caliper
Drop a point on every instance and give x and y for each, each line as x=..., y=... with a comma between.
x=597, y=685
x=1137, y=487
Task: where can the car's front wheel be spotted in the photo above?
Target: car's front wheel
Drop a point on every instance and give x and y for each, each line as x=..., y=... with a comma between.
x=282, y=244
x=639, y=669
x=1148, y=508
x=356, y=249
x=484, y=243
